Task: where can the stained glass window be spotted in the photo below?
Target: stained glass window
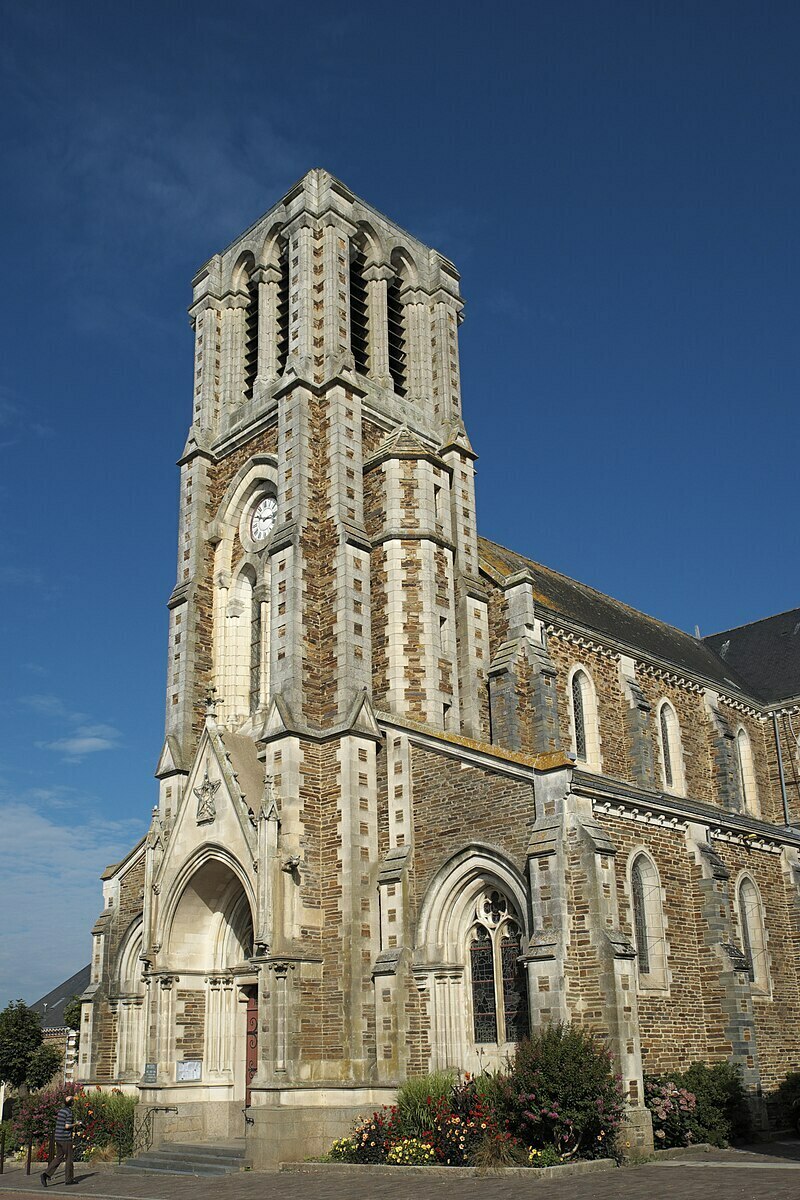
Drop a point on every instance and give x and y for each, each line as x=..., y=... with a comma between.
x=484, y=1007
x=515, y=991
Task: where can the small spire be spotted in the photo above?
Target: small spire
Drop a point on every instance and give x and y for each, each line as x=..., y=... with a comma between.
x=211, y=701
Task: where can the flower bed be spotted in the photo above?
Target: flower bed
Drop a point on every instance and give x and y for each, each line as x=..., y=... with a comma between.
x=558, y=1101
x=106, y=1121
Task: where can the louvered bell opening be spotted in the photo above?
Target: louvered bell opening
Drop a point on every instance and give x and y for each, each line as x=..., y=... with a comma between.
x=283, y=313
x=251, y=340
x=397, y=338
x=358, y=312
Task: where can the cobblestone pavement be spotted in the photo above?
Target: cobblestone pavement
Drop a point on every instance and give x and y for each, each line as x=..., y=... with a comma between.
x=769, y=1172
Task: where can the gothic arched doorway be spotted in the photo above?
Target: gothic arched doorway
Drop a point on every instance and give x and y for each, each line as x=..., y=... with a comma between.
x=209, y=946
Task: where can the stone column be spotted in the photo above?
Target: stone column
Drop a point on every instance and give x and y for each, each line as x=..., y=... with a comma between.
x=305, y=292
x=336, y=233
x=447, y=311
x=205, y=319
x=418, y=344
x=377, y=279
x=234, y=306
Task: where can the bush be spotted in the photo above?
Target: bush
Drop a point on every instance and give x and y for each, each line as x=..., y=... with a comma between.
x=720, y=1111
x=12, y=1141
x=411, y=1152
x=107, y=1118
x=672, y=1109
x=343, y=1150
x=788, y=1098
x=374, y=1135
x=561, y=1092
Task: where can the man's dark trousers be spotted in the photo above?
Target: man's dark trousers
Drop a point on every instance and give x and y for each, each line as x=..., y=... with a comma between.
x=63, y=1154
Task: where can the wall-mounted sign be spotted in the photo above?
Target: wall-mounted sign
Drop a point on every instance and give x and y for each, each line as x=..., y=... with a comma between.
x=150, y=1072
x=188, y=1070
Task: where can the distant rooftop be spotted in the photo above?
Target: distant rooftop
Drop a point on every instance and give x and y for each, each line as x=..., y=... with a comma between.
x=765, y=653
x=51, y=1007
x=762, y=659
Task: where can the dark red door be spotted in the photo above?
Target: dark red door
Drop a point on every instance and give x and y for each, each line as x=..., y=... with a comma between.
x=251, y=1061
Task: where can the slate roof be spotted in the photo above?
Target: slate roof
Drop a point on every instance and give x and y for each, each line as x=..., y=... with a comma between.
x=561, y=596
x=766, y=653
x=52, y=1005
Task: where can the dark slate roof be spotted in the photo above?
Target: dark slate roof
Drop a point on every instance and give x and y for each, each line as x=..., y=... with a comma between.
x=765, y=653
x=609, y=618
x=52, y=1005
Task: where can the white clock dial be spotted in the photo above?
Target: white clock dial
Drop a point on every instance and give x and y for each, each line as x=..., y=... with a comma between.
x=263, y=518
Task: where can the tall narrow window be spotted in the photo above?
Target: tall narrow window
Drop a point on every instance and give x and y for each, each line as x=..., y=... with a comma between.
x=648, y=923
x=251, y=339
x=747, y=774
x=585, y=729
x=283, y=309
x=666, y=754
x=753, y=937
x=499, y=993
x=640, y=918
x=671, y=752
x=358, y=311
x=579, y=716
x=397, y=336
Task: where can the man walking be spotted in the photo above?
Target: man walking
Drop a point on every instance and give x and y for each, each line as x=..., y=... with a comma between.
x=65, y=1124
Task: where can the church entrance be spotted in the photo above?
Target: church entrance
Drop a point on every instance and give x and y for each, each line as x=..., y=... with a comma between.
x=214, y=1014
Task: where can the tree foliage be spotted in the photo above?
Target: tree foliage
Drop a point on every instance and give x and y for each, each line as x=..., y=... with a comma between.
x=20, y=1038
x=44, y=1063
x=72, y=1014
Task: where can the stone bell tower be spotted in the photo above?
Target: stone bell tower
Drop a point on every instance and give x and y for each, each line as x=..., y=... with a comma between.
x=326, y=345
x=327, y=579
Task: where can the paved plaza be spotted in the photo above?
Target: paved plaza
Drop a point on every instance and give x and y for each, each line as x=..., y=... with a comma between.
x=769, y=1172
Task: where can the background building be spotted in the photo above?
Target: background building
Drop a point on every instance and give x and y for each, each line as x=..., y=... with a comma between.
x=419, y=793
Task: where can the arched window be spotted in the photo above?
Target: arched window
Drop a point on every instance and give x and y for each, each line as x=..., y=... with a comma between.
x=499, y=993
x=747, y=774
x=395, y=312
x=283, y=308
x=251, y=338
x=359, y=320
x=583, y=705
x=669, y=736
x=648, y=923
x=752, y=934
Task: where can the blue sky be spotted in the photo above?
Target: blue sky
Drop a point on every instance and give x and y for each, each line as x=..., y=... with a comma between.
x=617, y=182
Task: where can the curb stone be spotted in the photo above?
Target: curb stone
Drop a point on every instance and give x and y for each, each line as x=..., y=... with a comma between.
x=577, y=1168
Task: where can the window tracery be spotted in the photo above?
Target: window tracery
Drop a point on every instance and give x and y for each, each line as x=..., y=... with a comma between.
x=669, y=738
x=499, y=993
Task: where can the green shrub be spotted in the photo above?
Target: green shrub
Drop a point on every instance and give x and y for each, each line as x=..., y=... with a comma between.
x=12, y=1141
x=672, y=1109
x=788, y=1098
x=561, y=1091
x=343, y=1150
x=500, y=1149
x=416, y=1097
x=700, y=1104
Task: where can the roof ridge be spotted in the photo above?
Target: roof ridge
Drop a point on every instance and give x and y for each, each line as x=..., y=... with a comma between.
x=749, y=624
x=605, y=595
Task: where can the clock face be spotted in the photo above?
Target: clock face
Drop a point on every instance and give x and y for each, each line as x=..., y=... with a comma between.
x=263, y=518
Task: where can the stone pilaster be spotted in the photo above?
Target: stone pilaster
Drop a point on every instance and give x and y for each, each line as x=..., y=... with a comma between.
x=233, y=314
x=376, y=278
x=637, y=724
x=446, y=372
x=726, y=764
x=522, y=677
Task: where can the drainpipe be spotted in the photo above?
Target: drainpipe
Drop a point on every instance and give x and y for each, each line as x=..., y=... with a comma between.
x=780, y=767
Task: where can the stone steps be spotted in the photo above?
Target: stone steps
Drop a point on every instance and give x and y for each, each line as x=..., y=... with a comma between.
x=199, y=1158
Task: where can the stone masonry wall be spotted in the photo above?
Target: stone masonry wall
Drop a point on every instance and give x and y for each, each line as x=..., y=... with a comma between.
x=190, y=1019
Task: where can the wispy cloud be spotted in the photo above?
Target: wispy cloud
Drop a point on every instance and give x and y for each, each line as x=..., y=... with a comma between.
x=86, y=739
x=47, y=704
x=49, y=881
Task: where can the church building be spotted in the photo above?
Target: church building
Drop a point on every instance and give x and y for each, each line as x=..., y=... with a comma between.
x=418, y=793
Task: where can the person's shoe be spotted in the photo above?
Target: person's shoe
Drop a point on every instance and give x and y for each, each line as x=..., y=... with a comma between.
x=43, y=1179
